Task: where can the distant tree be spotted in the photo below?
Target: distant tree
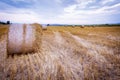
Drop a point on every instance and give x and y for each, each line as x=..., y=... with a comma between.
x=8, y=22
x=2, y=22
x=48, y=24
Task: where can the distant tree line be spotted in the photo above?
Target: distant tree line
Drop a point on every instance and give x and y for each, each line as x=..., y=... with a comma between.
x=85, y=25
x=5, y=23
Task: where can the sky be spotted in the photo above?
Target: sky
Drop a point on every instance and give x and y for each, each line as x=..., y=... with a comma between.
x=60, y=11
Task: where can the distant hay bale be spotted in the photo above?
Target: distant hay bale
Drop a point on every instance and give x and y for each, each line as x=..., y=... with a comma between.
x=82, y=26
x=22, y=38
x=44, y=27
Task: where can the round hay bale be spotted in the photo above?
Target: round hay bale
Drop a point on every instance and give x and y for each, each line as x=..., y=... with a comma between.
x=22, y=38
x=44, y=27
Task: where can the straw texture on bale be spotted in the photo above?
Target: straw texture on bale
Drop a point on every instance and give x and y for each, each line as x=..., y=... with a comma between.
x=22, y=39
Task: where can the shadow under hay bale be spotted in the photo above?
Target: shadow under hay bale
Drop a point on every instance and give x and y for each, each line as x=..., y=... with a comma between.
x=22, y=39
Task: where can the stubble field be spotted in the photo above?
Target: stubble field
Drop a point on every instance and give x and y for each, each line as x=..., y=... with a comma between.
x=66, y=53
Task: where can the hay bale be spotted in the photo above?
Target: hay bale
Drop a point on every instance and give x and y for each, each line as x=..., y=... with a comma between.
x=22, y=39
x=44, y=27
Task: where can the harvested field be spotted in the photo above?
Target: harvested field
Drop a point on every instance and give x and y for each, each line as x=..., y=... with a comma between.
x=66, y=53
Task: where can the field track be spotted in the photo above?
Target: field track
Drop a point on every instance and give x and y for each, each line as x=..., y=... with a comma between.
x=64, y=55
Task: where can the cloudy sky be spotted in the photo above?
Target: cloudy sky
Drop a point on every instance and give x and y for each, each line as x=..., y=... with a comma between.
x=61, y=11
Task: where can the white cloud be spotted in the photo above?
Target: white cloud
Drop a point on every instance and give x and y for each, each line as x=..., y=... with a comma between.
x=58, y=1
x=104, y=9
x=27, y=1
x=79, y=5
x=110, y=9
x=25, y=18
x=106, y=1
x=5, y=6
x=37, y=1
x=84, y=3
x=73, y=15
x=70, y=8
x=18, y=14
